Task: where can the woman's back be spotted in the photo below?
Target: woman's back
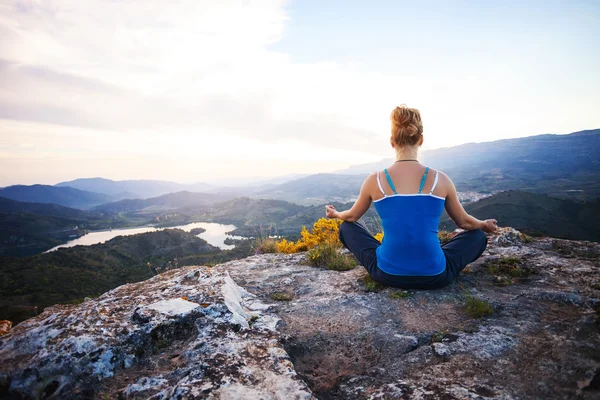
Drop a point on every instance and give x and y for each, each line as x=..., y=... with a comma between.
x=410, y=221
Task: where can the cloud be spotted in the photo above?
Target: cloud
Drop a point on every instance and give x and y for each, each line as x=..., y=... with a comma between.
x=131, y=66
x=128, y=78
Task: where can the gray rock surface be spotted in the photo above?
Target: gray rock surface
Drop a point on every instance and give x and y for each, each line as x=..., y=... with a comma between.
x=201, y=332
x=188, y=333
x=542, y=340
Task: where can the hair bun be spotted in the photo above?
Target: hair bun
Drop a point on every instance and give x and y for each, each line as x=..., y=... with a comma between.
x=407, y=127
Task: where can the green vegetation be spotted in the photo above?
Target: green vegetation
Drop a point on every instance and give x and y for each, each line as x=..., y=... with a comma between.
x=439, y=336
x=538, y=215
x=400, y=294
x=371, y=285
x=329, y=256
x=264, y=245
x=506, y=269
x=29, y=284
x=282, y=296
x=31, y=228
x=506, y=266
x=477, y=308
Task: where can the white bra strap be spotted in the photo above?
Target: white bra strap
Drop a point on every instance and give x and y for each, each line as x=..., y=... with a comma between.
x=379, y=183
x=434, y=182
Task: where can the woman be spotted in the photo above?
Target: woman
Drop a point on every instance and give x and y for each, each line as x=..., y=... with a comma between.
x=410, y=199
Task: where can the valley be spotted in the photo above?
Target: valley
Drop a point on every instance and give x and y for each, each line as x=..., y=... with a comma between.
x=523, y=183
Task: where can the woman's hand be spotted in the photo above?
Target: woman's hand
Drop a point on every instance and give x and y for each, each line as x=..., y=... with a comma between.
x=489, y=226
x=331, y=212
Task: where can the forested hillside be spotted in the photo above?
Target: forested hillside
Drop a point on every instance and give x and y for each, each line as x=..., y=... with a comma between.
x=538, y=215
x=70, y=274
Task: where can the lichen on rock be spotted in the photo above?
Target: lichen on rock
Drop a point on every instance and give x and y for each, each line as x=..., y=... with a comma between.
x=184, y=333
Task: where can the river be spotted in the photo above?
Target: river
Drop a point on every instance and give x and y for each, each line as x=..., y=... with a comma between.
x=214, y=234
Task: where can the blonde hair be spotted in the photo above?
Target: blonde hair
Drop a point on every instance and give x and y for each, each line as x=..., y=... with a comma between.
x=407, y=127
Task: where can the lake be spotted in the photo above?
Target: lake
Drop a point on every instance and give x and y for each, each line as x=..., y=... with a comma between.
x=214, y=235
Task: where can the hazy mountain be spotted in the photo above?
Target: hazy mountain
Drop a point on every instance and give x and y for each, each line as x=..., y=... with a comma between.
x=164, y=202
x=316, y=189
x=134, y=189
x=236, y=183
x=538, y=214
x=559, y=165
x=8, y=206
x=64, y=196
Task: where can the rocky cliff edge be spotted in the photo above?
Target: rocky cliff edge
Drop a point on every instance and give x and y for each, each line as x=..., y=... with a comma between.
x=522, y=322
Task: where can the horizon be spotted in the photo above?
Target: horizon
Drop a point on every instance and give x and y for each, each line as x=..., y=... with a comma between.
x=200, y=92
x=258, y=180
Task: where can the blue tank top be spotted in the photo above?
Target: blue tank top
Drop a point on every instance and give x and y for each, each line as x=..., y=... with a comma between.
x=410, y=222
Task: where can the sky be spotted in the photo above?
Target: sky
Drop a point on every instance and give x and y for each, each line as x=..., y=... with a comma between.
x=211, y=90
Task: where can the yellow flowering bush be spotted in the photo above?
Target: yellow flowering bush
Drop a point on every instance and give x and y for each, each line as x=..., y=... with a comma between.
x=324, y=231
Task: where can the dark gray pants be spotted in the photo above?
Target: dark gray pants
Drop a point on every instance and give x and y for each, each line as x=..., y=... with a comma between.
x=463, y=249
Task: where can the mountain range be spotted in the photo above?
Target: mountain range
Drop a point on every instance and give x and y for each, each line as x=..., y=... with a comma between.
x=564, y=166
x=64, y=196
x=134, y=189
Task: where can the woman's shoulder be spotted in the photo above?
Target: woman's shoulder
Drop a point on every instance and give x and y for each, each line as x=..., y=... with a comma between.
x=444, y=183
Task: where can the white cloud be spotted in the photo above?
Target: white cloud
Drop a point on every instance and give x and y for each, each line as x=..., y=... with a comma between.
x=143, y=79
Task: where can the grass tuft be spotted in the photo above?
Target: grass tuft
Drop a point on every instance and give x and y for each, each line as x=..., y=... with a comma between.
x=476, y=307
x=439, y=336
x=330, y=257
x=371, y=285
x=282, y=296
x=264, y=245
x=400, y=294
x=505, y=269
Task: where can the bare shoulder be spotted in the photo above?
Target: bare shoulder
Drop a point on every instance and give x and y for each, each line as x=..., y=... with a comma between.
x=370, y=185
x=444, y=184
x=372, y=177
x=443, y=179
x=370, y=180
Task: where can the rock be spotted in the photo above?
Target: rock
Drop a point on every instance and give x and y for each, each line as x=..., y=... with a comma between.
x=194, y=333
x=121, y=344
x=5, y=326
x=508, y=237
x=441, y=350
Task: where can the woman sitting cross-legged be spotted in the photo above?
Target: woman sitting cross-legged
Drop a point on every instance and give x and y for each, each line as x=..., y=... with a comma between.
x=410, y=199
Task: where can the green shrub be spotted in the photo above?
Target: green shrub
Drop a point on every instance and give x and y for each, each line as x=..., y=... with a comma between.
x=329, y=256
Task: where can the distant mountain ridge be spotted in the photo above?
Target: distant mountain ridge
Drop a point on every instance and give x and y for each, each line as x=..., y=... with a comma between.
x=530, y=148
x=63, y=196
x=566, y=166
x=134, y=189
x=9, y=206
x=164, y=202
x=316, y=189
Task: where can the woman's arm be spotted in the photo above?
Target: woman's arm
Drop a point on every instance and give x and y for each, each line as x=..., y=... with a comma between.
x=359, y=208
x=460, y=217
